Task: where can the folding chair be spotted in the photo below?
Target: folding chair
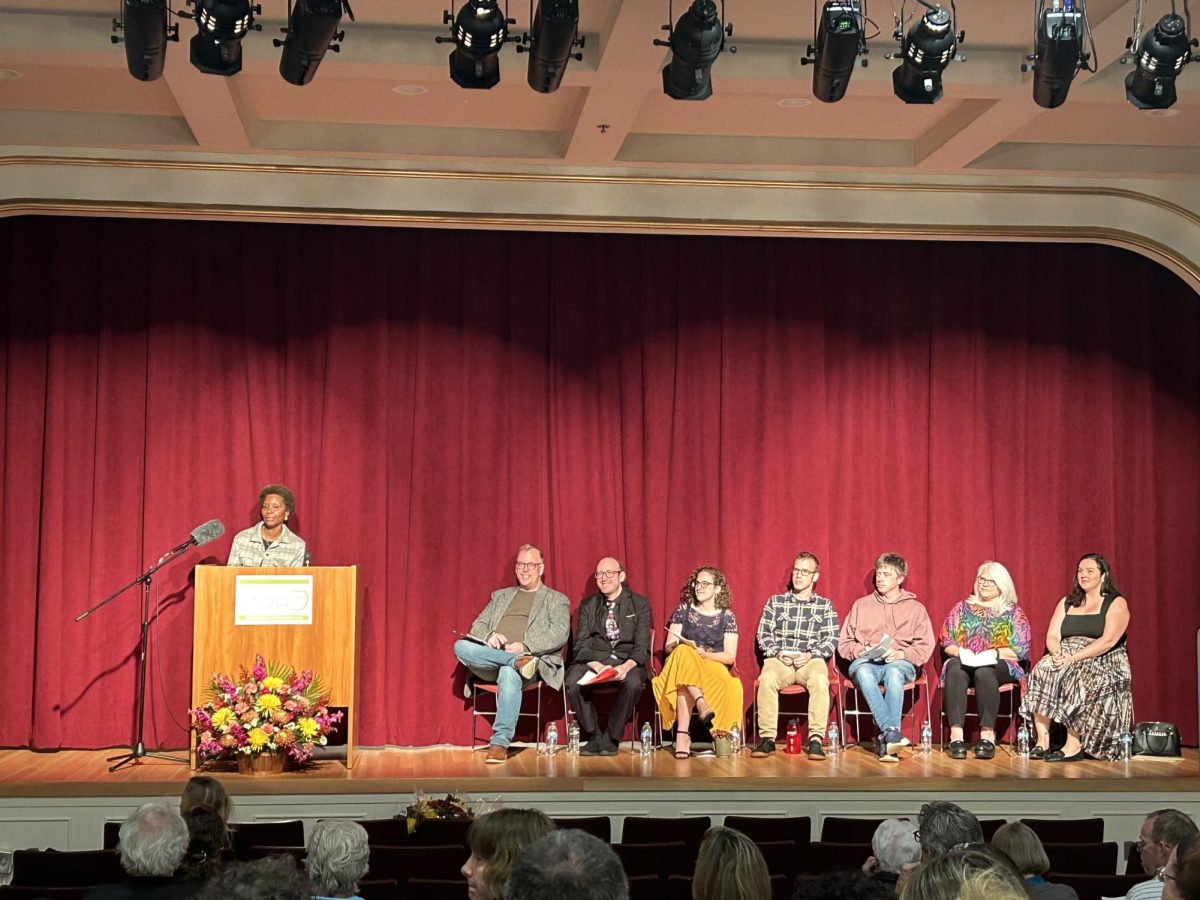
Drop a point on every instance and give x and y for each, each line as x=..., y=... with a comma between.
x=919, y=687
x=1009, y=691
x=793, y=690
x=534, y=687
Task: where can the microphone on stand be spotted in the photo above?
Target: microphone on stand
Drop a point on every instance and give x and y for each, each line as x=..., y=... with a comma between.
x=201, y=535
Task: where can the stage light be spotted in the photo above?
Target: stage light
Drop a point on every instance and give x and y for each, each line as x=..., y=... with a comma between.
x=216, y=47
x=1160, y=58
x=1058, y=52
x=478, y=33
x=925, y=52
x=553, y=32
x=311, y=30
x=145, y=31
x=839, y=41
x=696, y=41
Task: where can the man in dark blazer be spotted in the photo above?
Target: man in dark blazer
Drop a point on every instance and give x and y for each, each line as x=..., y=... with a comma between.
x=613, y=630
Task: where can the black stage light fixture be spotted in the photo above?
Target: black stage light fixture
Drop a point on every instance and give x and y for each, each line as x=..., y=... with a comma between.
x=1059, y=35
x=696, y=41
x=1160, y=57
x=145, y=30
x=216, y=47
x=478, y=33
x=312, y=29
x=925, y=52
x=840, y=39
x=553, y=35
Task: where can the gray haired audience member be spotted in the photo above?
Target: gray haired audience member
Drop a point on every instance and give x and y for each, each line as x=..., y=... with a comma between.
x=730, y=867
x=976, y=872
x=1024, y=848
x=153, y=841
x=269, y=878
x=338, y=853
x=893, y=846
x=567, y=864
x=942, y=825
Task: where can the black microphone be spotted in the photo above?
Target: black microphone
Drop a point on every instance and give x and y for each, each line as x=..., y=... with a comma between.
x=209, y=531
x=307, y=559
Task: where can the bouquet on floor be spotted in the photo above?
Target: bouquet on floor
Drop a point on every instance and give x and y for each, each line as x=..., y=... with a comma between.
x=457, y=807
x=270, y=709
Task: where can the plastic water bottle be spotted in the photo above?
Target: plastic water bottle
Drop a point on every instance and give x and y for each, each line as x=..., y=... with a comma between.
x=1023, y=742
x=835, y=739
x=647, y=741
x=1126, y=746
x=926, y=737
x=573, y=739
x=551, y=738
x=735, y=739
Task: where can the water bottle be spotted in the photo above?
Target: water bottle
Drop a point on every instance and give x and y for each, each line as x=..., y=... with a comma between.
x=1126, y=746
x=926, y=737
x=551, y=738
x=735, y=740
x=1023, y=742
x=835, y=739
x=793, y=737
x=647, y=742
x=573, y=739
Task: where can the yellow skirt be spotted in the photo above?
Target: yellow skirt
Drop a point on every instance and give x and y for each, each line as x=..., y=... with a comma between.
x=721, y=689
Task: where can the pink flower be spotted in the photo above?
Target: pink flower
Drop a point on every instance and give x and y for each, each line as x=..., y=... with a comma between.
x=260, y=667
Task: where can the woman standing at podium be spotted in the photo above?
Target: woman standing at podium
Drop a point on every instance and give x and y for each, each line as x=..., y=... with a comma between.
x=270, y=542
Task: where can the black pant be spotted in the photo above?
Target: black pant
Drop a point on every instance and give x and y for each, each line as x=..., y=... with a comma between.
x=628, y=692
x=986, y=680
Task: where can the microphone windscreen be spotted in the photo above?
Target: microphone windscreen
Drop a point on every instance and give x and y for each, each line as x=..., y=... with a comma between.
x=209, y=531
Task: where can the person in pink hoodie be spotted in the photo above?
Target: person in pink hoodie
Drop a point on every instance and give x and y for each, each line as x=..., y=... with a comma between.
x=898, y=614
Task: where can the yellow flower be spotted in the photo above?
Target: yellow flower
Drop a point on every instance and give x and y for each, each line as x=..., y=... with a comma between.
x=258, y=738
x=308, y=726
x=222, y=716
x=268, y=701
x=272, y=683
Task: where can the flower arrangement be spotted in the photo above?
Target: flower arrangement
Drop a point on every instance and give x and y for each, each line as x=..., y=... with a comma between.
x=454, y=806
x=270, y=709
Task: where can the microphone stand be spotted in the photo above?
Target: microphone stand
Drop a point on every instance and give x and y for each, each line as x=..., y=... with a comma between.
x=138, y=750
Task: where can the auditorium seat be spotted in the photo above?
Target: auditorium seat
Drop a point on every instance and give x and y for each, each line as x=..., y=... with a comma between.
x=840, y=830
x=656, y=830
x=782, y=857
x=441, y=832
x=245, y=835
x=296, y=853
x=826, y=856
x=600, y=826
x=645, y=887
x=28, y=892
x=386, y=832
x=1096, y=887
x=990, y=827
x=679, y=887
x=66, y=868
x=404, y=863
x=663, y=860
x=773, y=828
x=1083, y=859
x=1067, y=831
x=112, y=835
x=427, y=889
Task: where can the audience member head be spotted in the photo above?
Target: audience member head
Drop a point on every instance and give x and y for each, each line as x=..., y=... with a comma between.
x=207, y=837
x=568, y=864
x=495, y=840
x=153, y=840
x=942, y=825
x=269, y=878
x=1021, y=844
x=205, y=791
x=852, y=885
x=1181, y=875
x=730, y=867
x=337, y=857
x=894, y=844
x=976, y=872
x=1161, y=831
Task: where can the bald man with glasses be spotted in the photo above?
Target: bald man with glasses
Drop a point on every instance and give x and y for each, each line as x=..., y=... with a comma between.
x=613, y=630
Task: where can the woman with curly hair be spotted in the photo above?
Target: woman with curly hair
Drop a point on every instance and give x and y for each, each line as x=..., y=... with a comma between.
x=496, y=839
x=701, y=648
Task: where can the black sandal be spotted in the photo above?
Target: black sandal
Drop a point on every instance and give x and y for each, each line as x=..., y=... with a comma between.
x=1036, y=752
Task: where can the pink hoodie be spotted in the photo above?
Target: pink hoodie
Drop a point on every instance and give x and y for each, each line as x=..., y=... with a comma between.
x=905, y=619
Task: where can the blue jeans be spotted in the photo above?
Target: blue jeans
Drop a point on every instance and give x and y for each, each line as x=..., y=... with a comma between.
x=887, y=705
x=496, y=666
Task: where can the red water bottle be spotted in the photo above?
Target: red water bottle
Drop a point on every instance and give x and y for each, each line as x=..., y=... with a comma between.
x=793, y=736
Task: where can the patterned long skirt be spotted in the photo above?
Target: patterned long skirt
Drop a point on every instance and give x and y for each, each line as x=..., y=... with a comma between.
x=722, y=689
x=1092, y=697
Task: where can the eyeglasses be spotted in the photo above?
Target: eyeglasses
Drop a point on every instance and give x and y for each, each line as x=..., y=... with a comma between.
x=809, y=572
x=1139, y=846
x=985, y=582
x=703, y=584
x=1161, y=875
x=607, y=573
x=527, y=566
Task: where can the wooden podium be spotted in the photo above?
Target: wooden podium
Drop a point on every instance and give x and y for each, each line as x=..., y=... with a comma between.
x=328, y=646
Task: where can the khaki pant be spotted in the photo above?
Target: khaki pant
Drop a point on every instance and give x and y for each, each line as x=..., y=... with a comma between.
x=813, y=675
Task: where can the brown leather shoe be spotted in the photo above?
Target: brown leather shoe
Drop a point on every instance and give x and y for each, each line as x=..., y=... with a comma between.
x=496, y=755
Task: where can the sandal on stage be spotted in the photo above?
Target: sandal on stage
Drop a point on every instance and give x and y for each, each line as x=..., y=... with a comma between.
x=683, y=752
x=707, y=719
x=1036, y=752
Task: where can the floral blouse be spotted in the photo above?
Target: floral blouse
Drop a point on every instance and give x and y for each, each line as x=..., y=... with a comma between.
x=978, y=628
x=707, y=631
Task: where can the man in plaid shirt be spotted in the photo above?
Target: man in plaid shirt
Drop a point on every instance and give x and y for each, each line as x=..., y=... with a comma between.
x=797, y=634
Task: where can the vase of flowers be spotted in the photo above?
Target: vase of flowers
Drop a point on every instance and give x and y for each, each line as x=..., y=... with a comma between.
x=457, y=807
x=269, y=715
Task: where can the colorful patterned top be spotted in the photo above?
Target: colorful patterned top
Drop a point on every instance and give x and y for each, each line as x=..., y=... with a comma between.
x=978, y=628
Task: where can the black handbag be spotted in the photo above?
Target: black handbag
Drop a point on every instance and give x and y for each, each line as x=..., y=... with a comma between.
x=1156, y=739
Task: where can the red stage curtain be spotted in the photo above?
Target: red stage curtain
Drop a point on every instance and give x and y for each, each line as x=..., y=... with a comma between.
x=436, y=398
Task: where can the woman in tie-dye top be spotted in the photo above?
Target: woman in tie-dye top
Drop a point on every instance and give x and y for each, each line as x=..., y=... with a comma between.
x=985, y=639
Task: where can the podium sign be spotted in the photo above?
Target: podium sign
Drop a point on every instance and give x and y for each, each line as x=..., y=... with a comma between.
x=306, y=618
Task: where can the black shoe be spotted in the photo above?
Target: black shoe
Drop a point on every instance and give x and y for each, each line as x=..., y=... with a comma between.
x=816, y=748
x=883, y=751
x=1036, y=752
x=594, y=747
x=609, y=747
x=1059, y=756
x=764, y=749
x=957, y=750
x=985, y=750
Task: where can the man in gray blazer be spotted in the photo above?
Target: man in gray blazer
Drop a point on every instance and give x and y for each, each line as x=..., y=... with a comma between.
x=523, y=630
